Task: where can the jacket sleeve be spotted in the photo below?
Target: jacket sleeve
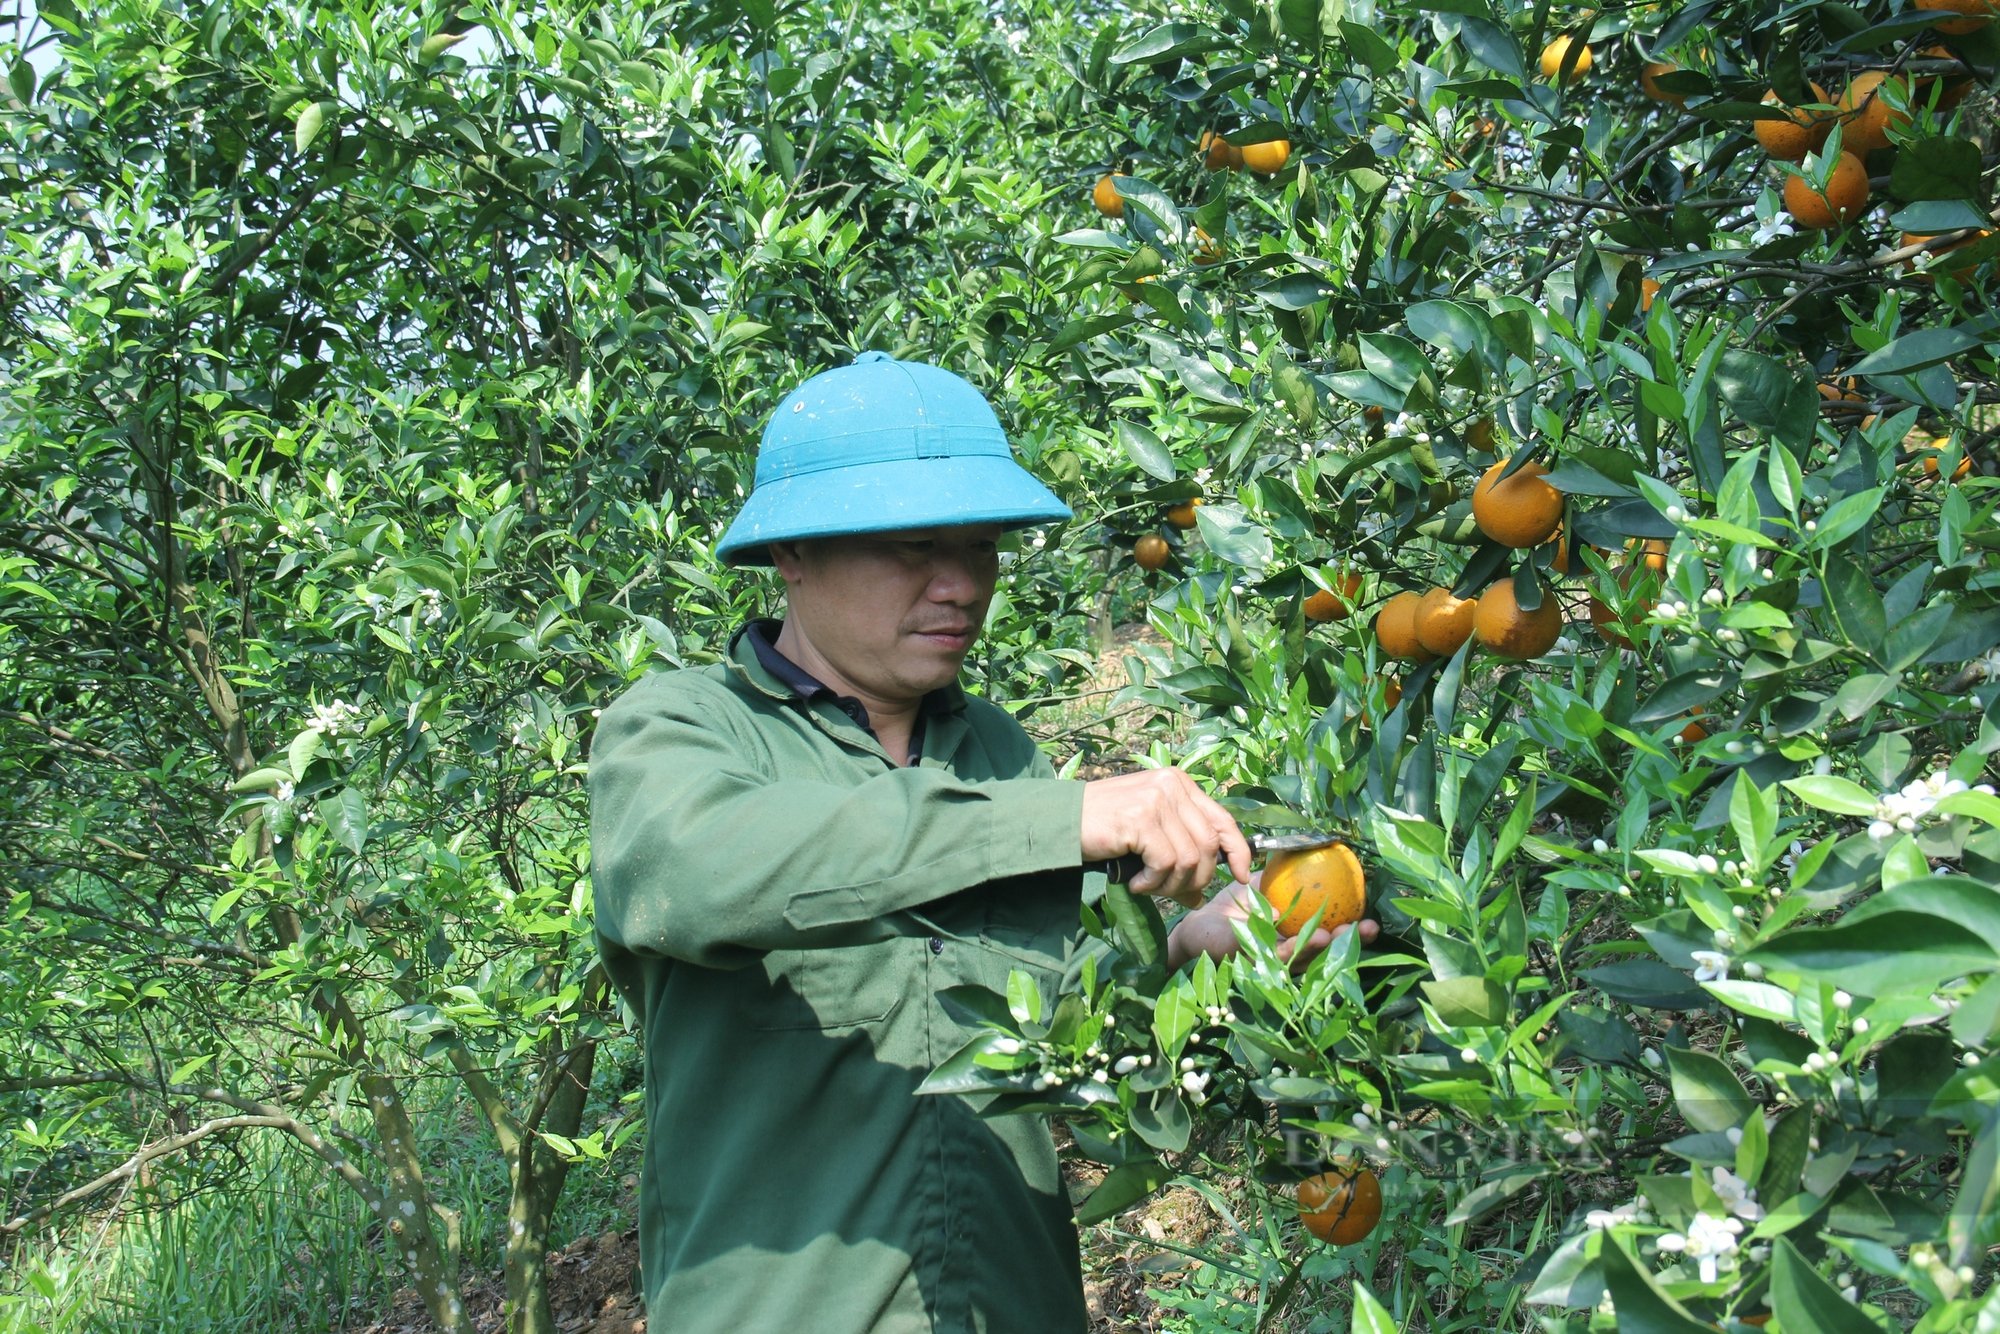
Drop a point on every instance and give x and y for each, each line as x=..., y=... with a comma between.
x=697, y=855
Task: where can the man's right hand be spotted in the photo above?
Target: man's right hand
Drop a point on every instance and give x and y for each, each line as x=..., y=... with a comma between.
x=1177, y=829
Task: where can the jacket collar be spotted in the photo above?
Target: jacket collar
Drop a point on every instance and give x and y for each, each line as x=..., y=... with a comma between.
x=755, y=667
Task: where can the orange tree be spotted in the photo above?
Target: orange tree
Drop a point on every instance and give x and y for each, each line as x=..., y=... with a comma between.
x=1684, y=1010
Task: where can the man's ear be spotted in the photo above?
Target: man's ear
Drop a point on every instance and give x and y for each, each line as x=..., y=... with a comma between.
x=789, y=557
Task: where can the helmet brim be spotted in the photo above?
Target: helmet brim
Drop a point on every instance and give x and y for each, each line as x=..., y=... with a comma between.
x=889, y=497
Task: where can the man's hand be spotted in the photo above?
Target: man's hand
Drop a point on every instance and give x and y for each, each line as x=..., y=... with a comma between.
x=1179, y=831
x=1211, y=930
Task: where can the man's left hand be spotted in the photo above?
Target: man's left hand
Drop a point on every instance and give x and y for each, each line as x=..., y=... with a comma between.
x=1211, y=930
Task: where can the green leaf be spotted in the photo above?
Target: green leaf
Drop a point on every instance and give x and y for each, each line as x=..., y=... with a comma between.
x=311, y=120
x=1123, y=1186
x=1295, y=390
x=1847, y=516
x=1957, y=899
x=1228, y=532
x=1790, y=1141
x=1495, y=1191
x=1396, y=362
x=1083, y=330
x=1370, y=1316
x=1468, y=1002
x=1892, y=953
x=1145, y=449
x=1829, y=793
x=1162, y=1120
x=1165, y=42
x=21, y=80
x=1801, y=1298
x=1927, y=347
x=1753, y=814
x=305, y=748
x=1706, y=1090
x=1851, y=596
x=1976, y=1208
x=260, y=780
x=1936, y=168
x=1024, y=997
x=347, y=818
x=1642, y=1308
x=1175, y=1015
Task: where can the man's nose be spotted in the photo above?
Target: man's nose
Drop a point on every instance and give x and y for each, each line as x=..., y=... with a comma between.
x=955, y=576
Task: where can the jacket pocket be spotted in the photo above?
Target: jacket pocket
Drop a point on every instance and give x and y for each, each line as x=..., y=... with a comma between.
x=832, y=988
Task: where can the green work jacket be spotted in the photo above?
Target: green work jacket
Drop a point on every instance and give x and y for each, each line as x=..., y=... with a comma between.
x=780, y=905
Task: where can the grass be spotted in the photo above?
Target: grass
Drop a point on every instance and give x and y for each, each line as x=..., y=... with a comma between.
x=281, y=1246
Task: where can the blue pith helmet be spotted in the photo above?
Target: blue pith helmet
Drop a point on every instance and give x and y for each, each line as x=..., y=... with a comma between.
x=877, y=446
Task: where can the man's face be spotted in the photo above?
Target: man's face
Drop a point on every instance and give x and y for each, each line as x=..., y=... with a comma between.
x=890, y=616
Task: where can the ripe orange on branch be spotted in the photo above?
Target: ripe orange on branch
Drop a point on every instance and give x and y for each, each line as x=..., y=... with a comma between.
x=1335, y=604
x=1325, y=882
x=1866, y=115
x=1150, y=551
x=1267, y=158
x=1974, y=14
x=1217, y=153
x=1520, y=510
x=1508, y=631
x=1444, y=621
x=1649, y=82
x=1844, y=199
x=1341, y=1206
x=1396, y=628
x=1800, y=133
x=1105, y=195
x=1181, y=516
x=1556, y=52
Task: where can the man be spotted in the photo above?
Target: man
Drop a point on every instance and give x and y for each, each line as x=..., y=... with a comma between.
x=796, y=850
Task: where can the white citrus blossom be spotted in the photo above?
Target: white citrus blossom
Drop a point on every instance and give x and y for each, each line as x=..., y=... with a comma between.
x=1711, y=966
x=1736, y=1195
x=1708, y=1241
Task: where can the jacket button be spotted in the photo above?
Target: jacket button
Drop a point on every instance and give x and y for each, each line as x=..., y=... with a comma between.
x=937, y=945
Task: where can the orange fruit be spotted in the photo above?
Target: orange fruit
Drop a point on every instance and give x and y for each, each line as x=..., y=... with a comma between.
x=1479, y=435
x=1217, y=153
x=1606, y=621
x=1336, y=604
x=1866, y=114
x=1844, y=199
x=1519, y=511
x=1396, y=628
x=1692, y=733
x=1150, y=551
x=1649, y=75
x=1930, y=462
x=1444, y=620
x=1324, y=882
x=1267, y=158
x=1802, y=132
x=1646, y=561
x=1207, y=250
x=1962, y=272
x=1105, y=195
x=1556, y=52
x=1341, y=1206
x=1508, y=631
x=1955, y=86
x=1181, y=516
x=1392, y=693
x=1976, y=14
x=1648, y=289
